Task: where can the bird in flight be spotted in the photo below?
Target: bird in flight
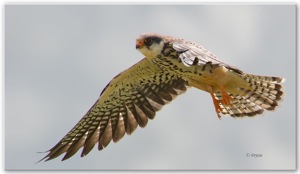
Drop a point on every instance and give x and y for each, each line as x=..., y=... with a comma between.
x=171, y=66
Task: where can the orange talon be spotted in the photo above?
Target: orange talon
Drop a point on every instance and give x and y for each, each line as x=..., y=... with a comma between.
x=225, y=101
x=225, y=97
x=216, y=104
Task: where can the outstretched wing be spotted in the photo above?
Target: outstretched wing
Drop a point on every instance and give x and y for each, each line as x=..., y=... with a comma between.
x=193, y=54
x=129, y=100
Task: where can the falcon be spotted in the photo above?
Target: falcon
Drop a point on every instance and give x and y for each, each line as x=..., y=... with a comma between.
x=171, y=66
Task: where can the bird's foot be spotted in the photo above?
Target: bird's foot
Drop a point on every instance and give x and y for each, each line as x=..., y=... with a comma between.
x=224, y=101
x=216, y=104
x=225, y=98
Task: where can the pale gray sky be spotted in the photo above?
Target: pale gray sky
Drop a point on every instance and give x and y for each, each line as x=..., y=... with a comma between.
x=59, y=58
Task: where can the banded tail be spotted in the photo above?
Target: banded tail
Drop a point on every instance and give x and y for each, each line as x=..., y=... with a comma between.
x=266, y=94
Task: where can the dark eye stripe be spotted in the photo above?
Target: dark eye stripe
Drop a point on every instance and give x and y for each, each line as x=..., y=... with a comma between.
x=148, y=41
x=156, y=39
x=153, y=39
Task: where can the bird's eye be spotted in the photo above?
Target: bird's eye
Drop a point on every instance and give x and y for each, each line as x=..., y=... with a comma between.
x=148, y=41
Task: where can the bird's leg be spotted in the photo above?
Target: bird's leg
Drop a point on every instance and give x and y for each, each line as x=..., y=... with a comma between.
x=216, y=104
x=225, y=101
x=209, y=88
x=225, y=97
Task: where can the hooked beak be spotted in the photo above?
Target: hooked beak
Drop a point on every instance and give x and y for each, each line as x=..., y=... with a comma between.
x=139, y=44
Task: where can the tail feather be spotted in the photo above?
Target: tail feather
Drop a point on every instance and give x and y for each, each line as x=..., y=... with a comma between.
x=262, y=79
x=265, y=95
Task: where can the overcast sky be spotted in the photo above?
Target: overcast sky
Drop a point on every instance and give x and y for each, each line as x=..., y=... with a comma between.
x=59, y=58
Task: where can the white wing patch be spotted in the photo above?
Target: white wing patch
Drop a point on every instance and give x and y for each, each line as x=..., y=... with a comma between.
x=191, y=54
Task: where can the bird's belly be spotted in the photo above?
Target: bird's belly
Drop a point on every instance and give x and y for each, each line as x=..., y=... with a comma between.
x=211, y=80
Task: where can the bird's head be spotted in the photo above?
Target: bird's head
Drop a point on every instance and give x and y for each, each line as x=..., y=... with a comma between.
x=150, y=44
